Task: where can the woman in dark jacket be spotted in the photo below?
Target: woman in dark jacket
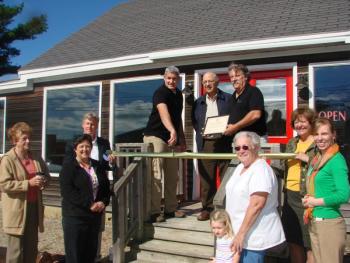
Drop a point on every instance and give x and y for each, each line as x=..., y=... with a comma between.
x=85, y=195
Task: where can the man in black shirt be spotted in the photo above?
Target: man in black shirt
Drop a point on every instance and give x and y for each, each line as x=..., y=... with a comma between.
x=248, y=110
x=164, y=131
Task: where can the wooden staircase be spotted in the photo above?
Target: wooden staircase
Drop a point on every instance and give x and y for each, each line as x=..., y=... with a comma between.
x=177, y=240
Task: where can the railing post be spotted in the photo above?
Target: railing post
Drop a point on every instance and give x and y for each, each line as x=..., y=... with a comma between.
x=140, y=198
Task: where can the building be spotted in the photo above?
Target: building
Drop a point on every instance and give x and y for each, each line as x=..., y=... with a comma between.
x=298, y=52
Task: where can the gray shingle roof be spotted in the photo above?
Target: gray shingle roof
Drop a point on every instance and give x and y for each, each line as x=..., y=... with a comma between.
x=143, y=26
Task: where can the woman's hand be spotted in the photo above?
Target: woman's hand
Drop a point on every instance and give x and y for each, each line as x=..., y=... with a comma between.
x=37, y=181
x=237, y=244
x=97, y=207
x=302, y=157
x=310, y=201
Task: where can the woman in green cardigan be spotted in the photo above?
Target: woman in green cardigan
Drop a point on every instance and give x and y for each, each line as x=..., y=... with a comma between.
x=327, y=189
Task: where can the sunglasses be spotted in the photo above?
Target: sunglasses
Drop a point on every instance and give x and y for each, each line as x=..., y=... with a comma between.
x=243, y=147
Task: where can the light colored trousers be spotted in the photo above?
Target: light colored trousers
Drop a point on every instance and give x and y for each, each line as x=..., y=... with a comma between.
x=162, y=168
x=328, y=240
x=24, y=248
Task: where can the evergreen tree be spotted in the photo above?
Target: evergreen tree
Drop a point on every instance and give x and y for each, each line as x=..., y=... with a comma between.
x=8, y=34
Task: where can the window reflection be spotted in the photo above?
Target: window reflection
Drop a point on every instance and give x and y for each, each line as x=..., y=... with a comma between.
x=274, y=91
x=332, y=100
x=64, y=111
x=132, y=107
x=275, y=99
x=2, y=124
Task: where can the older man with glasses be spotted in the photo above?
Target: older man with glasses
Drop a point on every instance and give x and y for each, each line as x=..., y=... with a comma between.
x=215, y=102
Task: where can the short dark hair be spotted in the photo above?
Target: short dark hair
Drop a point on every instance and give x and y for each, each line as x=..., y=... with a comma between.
x=82, y=138
x=308, y=113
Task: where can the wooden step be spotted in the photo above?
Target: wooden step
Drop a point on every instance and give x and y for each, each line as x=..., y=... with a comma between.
x=179, y=235
x=172, y=252
x=187, y=223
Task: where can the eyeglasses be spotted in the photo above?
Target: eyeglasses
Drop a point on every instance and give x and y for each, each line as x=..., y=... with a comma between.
x=243, y=147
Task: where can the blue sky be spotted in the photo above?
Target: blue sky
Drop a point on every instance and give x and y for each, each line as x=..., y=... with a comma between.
x=64, y=18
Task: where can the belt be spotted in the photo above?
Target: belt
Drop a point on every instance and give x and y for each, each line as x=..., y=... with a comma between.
x=318, y=219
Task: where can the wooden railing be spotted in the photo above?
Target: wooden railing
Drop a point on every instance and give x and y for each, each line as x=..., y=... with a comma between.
x=130, y=201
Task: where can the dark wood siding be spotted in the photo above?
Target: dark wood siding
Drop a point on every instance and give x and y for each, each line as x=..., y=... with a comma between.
x=27, y=107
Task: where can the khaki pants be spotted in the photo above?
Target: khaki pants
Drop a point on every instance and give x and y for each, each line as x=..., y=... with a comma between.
x=162, y=168
x=24, y=248
x=328, y=240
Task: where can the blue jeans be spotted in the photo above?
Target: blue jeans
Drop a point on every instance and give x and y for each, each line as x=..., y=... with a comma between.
x=252, y=256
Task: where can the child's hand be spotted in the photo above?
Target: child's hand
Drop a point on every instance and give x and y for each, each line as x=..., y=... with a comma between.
x=212, y=260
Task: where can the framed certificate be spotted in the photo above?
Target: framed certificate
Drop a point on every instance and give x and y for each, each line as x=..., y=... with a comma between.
x=215, y=126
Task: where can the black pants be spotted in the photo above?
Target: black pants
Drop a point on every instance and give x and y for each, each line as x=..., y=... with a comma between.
x=207, y=169
x=80, y=238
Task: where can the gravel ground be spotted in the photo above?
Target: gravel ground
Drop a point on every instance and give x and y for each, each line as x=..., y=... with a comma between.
x=52, y=239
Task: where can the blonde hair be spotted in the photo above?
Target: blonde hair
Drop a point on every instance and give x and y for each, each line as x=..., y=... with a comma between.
x=17, y=130
x=221, y=216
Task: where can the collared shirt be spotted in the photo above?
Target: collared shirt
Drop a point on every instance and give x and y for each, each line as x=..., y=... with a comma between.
x=250, y=99
x=94, y=150
x=212, y=106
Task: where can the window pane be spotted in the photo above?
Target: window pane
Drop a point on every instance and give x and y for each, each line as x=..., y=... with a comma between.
x=274, y=91
x=332, y=100
x=132, y=107
x=2, y=116
x=65, y=109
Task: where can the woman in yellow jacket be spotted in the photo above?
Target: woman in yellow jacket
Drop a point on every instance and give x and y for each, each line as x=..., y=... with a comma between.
x=23, y=175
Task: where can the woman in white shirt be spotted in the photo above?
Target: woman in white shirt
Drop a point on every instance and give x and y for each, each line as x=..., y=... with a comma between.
x=252, y=200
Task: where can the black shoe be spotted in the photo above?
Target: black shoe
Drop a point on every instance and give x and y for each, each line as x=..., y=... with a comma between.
x=176, y=214
x=157, y=218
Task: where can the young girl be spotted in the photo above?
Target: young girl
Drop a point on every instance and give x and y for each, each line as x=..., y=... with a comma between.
x=221, y=226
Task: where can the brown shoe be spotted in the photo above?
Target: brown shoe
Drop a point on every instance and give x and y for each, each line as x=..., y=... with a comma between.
x=203, y=216
x=176, y=213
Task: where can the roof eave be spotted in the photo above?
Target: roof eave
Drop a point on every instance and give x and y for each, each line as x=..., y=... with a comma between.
x=87, y=68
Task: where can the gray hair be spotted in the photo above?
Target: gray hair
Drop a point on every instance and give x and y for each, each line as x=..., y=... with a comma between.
x=172, y=69
x=239, y=67
x=91, y=116
x=254, y=138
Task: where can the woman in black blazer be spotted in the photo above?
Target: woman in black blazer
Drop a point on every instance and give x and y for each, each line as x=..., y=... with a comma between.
x=85, y=195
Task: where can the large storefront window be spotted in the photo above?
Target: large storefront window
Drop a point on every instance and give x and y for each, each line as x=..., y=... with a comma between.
x=332, y=100
x=65, y=108
x=132, y=107
x=2, y=125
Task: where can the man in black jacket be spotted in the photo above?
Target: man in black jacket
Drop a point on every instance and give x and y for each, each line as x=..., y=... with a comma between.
x=99, y=145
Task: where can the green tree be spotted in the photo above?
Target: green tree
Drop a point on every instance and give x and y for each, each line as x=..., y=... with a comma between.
x=22, y=31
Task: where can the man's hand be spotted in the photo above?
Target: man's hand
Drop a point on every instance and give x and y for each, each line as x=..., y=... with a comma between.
x=112, y=159
x=230, y=130
x=173, y=138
